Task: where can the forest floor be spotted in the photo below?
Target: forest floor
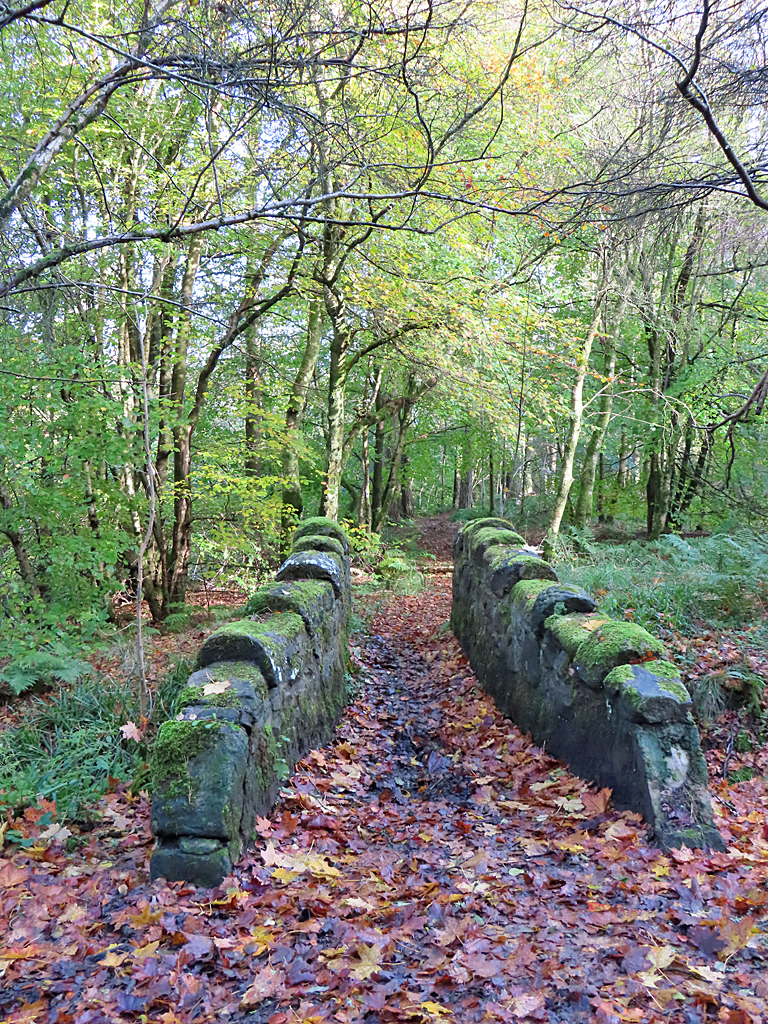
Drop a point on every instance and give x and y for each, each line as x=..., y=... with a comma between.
x=431, y=865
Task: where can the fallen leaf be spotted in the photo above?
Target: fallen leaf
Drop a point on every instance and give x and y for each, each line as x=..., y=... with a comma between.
x=525, y=1005
x=267, y=984
x=211, y=689
x=370, y=961
x=130, y=732
x=596, y=803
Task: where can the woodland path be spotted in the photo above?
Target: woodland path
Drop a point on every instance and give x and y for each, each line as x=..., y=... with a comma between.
x=431, y=865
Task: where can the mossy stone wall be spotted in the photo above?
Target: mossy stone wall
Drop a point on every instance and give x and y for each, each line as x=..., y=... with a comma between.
x=596, y=691
x=267, y=690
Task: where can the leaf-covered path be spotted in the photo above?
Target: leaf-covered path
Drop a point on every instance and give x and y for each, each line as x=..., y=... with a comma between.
x=431, y=865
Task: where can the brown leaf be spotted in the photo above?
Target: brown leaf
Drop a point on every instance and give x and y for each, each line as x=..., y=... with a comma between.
x=267, y=984
x=596, y=803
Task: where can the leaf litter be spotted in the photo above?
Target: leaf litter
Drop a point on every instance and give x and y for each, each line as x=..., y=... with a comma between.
x=432, y=865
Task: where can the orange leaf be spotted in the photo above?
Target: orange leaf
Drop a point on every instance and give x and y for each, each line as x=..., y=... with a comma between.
x=596, y=803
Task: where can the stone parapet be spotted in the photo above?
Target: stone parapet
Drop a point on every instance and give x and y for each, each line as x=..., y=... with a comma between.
x=597, y=692
x=267, y=689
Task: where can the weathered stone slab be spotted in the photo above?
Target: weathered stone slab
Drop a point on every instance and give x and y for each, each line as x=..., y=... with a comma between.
x=312, y=599
x=507, y=569
x=612, y=644
x=317, y=543
x=204, y=867
x=313, y=565
x=559, y=600
x=277, y=646
x=198, y=773
x=597, y=692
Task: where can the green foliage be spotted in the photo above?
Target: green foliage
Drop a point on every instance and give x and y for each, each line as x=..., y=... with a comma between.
x=677, y=583
x=399, y=572
x=68, y=748
x=365, y=548
x=43, y=668
x=170, y=686
x=465, y=515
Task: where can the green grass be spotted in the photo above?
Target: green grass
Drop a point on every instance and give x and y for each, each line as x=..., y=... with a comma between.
x=69, y=746
x=677, y=584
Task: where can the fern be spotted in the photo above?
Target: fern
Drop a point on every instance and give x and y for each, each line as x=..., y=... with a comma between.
x=42, y=667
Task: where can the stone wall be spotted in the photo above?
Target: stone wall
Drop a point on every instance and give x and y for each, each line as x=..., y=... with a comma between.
x=267, y=689
x=597, y=692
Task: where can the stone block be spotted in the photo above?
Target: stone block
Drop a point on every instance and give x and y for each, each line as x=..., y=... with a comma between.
x=277, y=646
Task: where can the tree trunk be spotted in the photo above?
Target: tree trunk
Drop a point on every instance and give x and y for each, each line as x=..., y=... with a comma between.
x=329, y=504
x=364, y=517
x=456, y=487
x=695, y=480
x=254, y=402
x=24, y=562
x=406, y=492
x=394, y=471
x=623, y=460
x=600, y=495
x=377, y=491
x=467, y=488
x=293, y=504
x=491, y=481
x=574, y=427
x=595, y=445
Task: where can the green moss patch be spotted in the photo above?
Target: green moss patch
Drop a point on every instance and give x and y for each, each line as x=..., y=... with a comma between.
x=329, y=545
x=570, y=630
x=615, y=643
x=267, y=644
x=176, y=744
x=320, y=526
x=496, y=522
x=291, y=596
x=489, y=536
x=525, y=592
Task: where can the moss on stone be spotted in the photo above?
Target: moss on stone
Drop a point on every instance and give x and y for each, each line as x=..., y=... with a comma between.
x=489, y=536
x=323, y=527
x=525, y=592
x=617, y=643
x=513, y=556
x=618, y=677
x=176, y=744
x=287, y=624
x=190, y=695
x=669, y=679
x=299, y=596
x=329, y=545
x=471, y=528
x=570, y=630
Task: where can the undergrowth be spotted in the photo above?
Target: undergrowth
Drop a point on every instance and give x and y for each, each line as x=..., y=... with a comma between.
x=678, y=584
x=69, y=746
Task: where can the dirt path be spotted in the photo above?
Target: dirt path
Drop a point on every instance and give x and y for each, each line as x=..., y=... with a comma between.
x=430, y=866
